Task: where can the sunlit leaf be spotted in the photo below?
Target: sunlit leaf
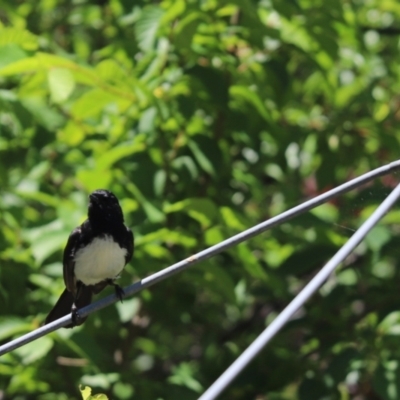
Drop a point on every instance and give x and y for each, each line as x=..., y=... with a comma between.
x=147, y=26
x=12, y=326
x=94, y=178
x=9, y=54
x=61, y=84
x=92, y=103
x=34, y=351
x=21, y=66
x=21, y=37
x=202, y=210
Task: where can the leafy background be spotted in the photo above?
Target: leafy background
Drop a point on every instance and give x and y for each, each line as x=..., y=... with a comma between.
x=204, y=118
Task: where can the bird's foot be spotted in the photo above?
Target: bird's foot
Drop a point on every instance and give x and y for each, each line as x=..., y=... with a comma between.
x=119, y=292
x=75, y=317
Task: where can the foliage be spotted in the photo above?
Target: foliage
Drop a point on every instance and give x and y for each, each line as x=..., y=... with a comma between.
x=87, y=394
x=204, y=118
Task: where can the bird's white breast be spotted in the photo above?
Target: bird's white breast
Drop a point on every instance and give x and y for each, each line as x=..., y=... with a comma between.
x=99, y=260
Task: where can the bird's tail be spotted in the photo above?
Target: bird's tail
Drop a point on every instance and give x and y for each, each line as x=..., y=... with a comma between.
x=64, y=304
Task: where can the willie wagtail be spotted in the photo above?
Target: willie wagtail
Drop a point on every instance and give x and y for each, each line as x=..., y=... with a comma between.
x=95, y=254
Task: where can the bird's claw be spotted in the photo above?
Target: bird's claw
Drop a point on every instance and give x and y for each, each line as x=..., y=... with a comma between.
x=75, y=316
x=119, y=292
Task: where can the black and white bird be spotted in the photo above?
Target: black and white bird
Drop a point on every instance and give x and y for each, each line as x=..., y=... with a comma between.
x=95, y=255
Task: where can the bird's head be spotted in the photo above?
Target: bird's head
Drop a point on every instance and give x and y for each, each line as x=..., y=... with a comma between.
x=104, y=206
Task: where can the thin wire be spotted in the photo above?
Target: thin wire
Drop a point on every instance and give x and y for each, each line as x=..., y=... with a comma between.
x=205, y=254
x=244, y=359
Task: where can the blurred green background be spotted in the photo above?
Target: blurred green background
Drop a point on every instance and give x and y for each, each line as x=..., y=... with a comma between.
x=204, y=118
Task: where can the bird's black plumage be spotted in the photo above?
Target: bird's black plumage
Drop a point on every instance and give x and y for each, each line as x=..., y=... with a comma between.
x=95, y=254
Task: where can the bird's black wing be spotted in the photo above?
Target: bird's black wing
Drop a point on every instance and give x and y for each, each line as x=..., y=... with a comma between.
x=73, y=244
x=128, y=244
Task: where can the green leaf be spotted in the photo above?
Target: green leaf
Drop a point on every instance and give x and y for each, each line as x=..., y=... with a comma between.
x=188, y=163
x=167, y=236
x=110, y=70
x=250, y=262
x=213, y=235
x=61, y=84
x=118, y=153
x=378, y=237
x=348, y=277
x=156, y=251
x=202, y=210
x=92, y=103
x=100, y=380
x=20, y=37
x=183, y=375
x=147, y=26
x=40, y=61
x=186, y=29
x=46, y=116
x=123, y=390
x=232, y=219
x=201, y=158
x=148, y=120
x=10, y=54
x=86, y=393
x=94, y=178
x=342, y=364
x=160, y=179
x=35, y=350
x=326, y=212
x=129, y=205
x=46, y=239
x=390, y=325
x=256, y=30
x=386, y=379
x=36, y=195
x=128, y=309
x=250, y=96
x=48, y=244
x=72, y=133
x=152, y=212
x=174, y=11
x=11, y=326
